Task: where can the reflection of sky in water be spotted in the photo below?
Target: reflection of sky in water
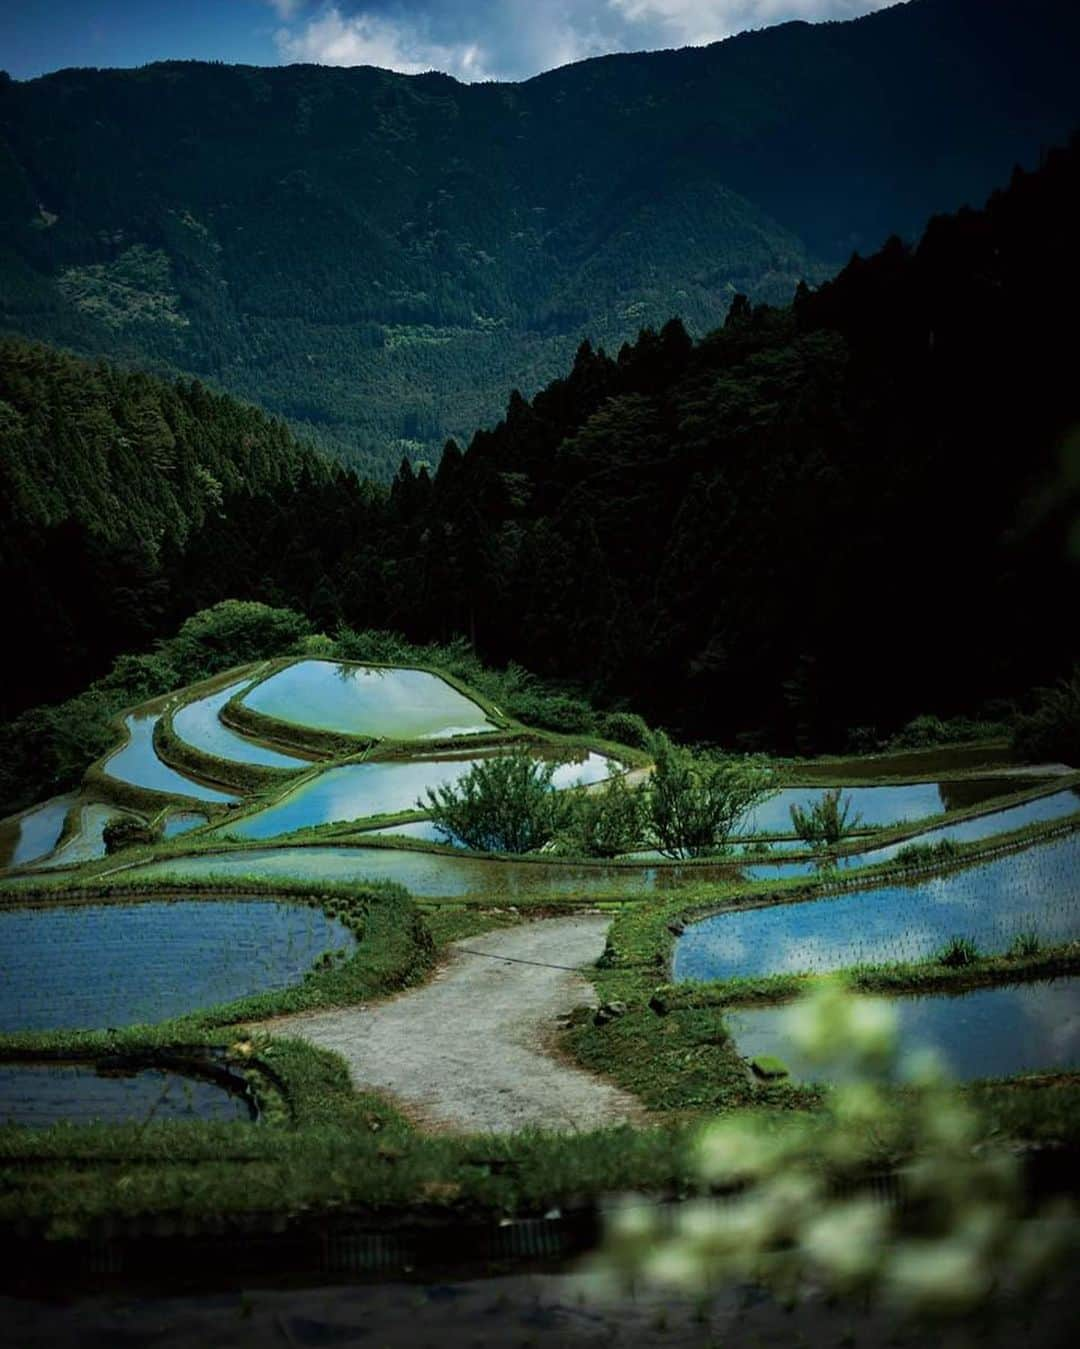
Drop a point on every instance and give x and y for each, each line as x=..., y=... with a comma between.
x=362, y=700
x=353, y=791
x=1040, y=811
x=424, y=874
x=992, y=1032
x=39, y=1094
x=36, y=833
x=101, y=965
x=137, y=762
x=89, y=840
x=198, y=724
x=876, y=805
x=1034, y=890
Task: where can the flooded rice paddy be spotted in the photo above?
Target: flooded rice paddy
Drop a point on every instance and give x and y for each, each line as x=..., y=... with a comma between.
x=355, y=791
x=991, y=1032
x=1036, y=890
x=39, y=1094
x=365, y=700
x=137, y=763
x=34, y=834
x=198, y=725
x=97, y=965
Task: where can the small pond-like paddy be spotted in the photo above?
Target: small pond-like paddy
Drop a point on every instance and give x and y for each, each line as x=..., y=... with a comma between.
x=353, y=791
x=198, y=725
x=401, y=704
x=991, y=1032
x=1037, y=890
x=1043, y=810
x=137, y=762
x=430, y=875
x=880, y=806
x=97, y=965
x=34, y=834
x=39, y=1094
x=182, y=822
x=88, y=842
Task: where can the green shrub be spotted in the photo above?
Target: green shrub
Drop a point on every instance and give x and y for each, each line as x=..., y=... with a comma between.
x=925, y=854
x=958, y=952
x=696, y=800
x=625, y=728
x=503, y=804
x=1026, y=944
x=233, y=633
x=827, y=821
x=127, y=832
x=608, y=822
x=927, y=731
x=1052, y=729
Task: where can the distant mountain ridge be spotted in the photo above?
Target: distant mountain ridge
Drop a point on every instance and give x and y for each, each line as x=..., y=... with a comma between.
x=378, y=258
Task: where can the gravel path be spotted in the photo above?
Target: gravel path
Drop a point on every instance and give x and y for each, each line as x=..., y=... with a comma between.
x=469, y=1051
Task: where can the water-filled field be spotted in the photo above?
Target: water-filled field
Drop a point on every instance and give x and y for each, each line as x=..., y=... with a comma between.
x=88, y=841
x=1037, y=890
x=991, y=1032
x=34, y=833
x=879, y=806
x=1043, y=810
x=137, y=762
x=97, y=965
x=39, y=1094
x=364, y=700
x=429, y=874
x=198, y=725
x=353, y=791
x=182, y=822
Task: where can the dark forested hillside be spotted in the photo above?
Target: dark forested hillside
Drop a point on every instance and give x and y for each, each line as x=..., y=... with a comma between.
x=104, y=478
x=378, y=258
x=834, y=514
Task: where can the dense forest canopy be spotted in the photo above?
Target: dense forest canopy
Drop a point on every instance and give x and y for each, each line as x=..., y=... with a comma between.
x=378, y=258
x=825, y=516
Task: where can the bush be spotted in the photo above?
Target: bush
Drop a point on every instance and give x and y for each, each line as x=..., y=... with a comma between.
x=927, y=731
x=1025, y=944
x=958, y=952
x=827, y=821
x=128, y=832
x=503, y=804
x=625, y=728
x=233, y=633
x=1052, y=730
x=696, y=800
x=924, y=854
x=608, y=822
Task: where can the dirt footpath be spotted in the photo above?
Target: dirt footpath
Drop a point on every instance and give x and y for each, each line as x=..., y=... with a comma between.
x=469, y=1051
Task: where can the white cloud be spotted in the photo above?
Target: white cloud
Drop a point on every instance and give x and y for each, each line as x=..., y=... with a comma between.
x=514, y=39
x=333, y=39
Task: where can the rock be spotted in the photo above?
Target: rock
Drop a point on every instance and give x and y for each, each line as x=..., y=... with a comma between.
x=609, y=1011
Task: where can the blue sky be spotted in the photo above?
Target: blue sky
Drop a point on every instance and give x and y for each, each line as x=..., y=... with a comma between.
x=471, y=39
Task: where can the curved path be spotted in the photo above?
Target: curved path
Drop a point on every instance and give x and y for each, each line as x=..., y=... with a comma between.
x=470, y=1051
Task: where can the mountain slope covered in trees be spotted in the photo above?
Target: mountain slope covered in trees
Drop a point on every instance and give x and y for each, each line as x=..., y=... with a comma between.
x=835, y=514
x=378, y=258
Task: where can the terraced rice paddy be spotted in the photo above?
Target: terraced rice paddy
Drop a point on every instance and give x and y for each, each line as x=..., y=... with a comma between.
x=367, y=701
x=991, y=1032
x=137, y=763
x=428, y=875
x=1043, y=810
x=34, y=834
x=878, y=806
x=39, y=1094
x=182, y=822
x=354, y=791
x=1037, y=890
x=92, y=966
x=198, y=725
x=88, y=841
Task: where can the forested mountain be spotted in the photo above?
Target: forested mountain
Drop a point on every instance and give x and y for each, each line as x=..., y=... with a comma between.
x=104, y=477
x=378, y=258
x=838, y=513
